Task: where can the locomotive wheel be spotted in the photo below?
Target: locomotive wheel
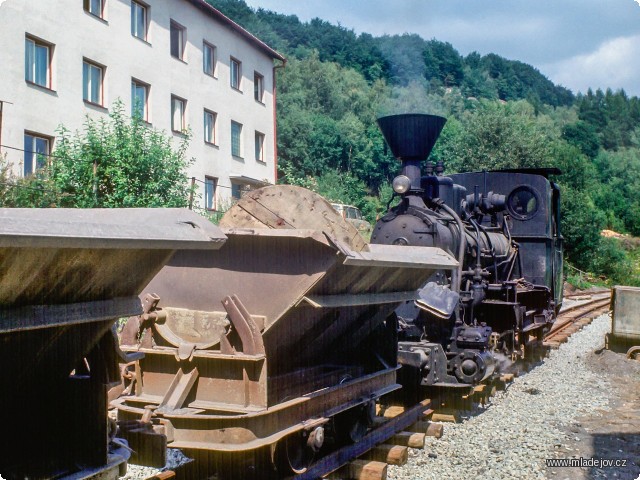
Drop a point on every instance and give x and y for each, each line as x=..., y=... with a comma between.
x=293, y=454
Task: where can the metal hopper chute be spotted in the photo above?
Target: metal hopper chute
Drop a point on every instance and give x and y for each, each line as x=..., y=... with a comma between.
x=310, y=329
x=66, y=275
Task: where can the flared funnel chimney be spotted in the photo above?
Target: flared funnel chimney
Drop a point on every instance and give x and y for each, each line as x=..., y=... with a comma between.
x=411, y=138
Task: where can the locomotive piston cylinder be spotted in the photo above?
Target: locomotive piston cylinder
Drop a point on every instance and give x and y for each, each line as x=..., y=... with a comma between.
x=472, y=367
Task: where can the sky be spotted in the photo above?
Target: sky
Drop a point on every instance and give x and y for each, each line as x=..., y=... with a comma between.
x=576, y=43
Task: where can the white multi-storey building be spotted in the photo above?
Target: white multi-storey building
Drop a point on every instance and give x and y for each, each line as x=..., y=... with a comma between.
x=180, y=63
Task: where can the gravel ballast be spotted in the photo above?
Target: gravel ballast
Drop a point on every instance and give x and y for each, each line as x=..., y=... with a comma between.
x=175, y=458
x=521, y=427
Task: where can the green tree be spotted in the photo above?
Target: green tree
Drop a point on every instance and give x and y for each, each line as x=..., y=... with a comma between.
x=581, y=226
x=326, y=120
x=443, y=63
x=618, y=186
x=495, y=136
x=114, y=162
x=583, y=136
x=6, y=178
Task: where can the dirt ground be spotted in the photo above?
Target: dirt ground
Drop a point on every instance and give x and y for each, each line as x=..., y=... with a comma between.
x=615, y=434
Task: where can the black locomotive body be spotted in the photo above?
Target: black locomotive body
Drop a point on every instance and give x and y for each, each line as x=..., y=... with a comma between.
x=503, y=227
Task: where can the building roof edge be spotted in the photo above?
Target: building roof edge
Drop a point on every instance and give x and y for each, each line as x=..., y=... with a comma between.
x=218, y=15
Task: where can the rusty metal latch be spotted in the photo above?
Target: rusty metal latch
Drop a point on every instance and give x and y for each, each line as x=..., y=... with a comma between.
x=246, y=327
x=178, y=391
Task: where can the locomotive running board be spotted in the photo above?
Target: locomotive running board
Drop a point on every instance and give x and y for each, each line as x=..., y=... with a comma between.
x=330, y=301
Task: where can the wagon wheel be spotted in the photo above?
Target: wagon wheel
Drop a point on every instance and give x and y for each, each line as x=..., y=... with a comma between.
x=353, y=424
x=632, y=352
x=293, y=454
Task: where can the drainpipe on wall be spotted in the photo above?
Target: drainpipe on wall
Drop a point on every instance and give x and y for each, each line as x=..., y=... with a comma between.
x=1, y=105
x=275, y=124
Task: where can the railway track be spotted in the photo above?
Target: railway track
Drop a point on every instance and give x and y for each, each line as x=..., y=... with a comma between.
x=573, y=318
x=396, y=429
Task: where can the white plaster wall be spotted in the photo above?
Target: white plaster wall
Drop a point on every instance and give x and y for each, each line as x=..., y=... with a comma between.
x=77, y=35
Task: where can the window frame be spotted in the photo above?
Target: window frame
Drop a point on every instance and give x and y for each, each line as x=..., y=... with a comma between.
x=258, y=87
x=238, y=84
x=34, y=161
x=236, y=187
x=530, y=210
x=236, y=153
x=259, y=140
x=182, y=40
x=206, y=45
x=213, y=140
x=87, y=89
x=183, y=115
x=87, y=4
x=145, y=107
x=31, y=68
x=145, y=10
x=210, y=181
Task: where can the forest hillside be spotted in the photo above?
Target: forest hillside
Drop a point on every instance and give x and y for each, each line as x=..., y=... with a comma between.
x=501, y=113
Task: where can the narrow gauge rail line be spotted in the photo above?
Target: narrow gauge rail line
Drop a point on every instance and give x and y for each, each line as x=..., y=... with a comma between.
x=575, y=317
x=587, y=295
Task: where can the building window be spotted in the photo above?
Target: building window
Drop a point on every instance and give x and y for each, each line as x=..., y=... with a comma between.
x=260, y=147
x=238, y=190
x=37, y=62
x=210, y=185
x=209, y=59
x=178, y=37
x=36, y=151
x=140, y=100
x=178, y=108
x=139, y=20
x=258, y=87
x=236, y=73
x=210, y=127
x=236, y=139
x=92, y=77
x=94, y=7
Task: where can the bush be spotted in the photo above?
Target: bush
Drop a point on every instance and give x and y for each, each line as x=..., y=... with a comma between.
x=114, y=162
x=612, y=260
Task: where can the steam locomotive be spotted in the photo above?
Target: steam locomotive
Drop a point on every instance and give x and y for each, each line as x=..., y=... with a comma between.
x=503, y=227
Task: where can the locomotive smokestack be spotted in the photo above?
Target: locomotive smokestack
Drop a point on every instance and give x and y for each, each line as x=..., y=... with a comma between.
x=411, y=138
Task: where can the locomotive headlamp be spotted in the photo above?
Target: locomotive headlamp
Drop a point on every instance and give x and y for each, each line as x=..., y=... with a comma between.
x=401, y=184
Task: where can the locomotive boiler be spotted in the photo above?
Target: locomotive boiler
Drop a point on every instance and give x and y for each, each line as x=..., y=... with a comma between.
x=503, y=227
